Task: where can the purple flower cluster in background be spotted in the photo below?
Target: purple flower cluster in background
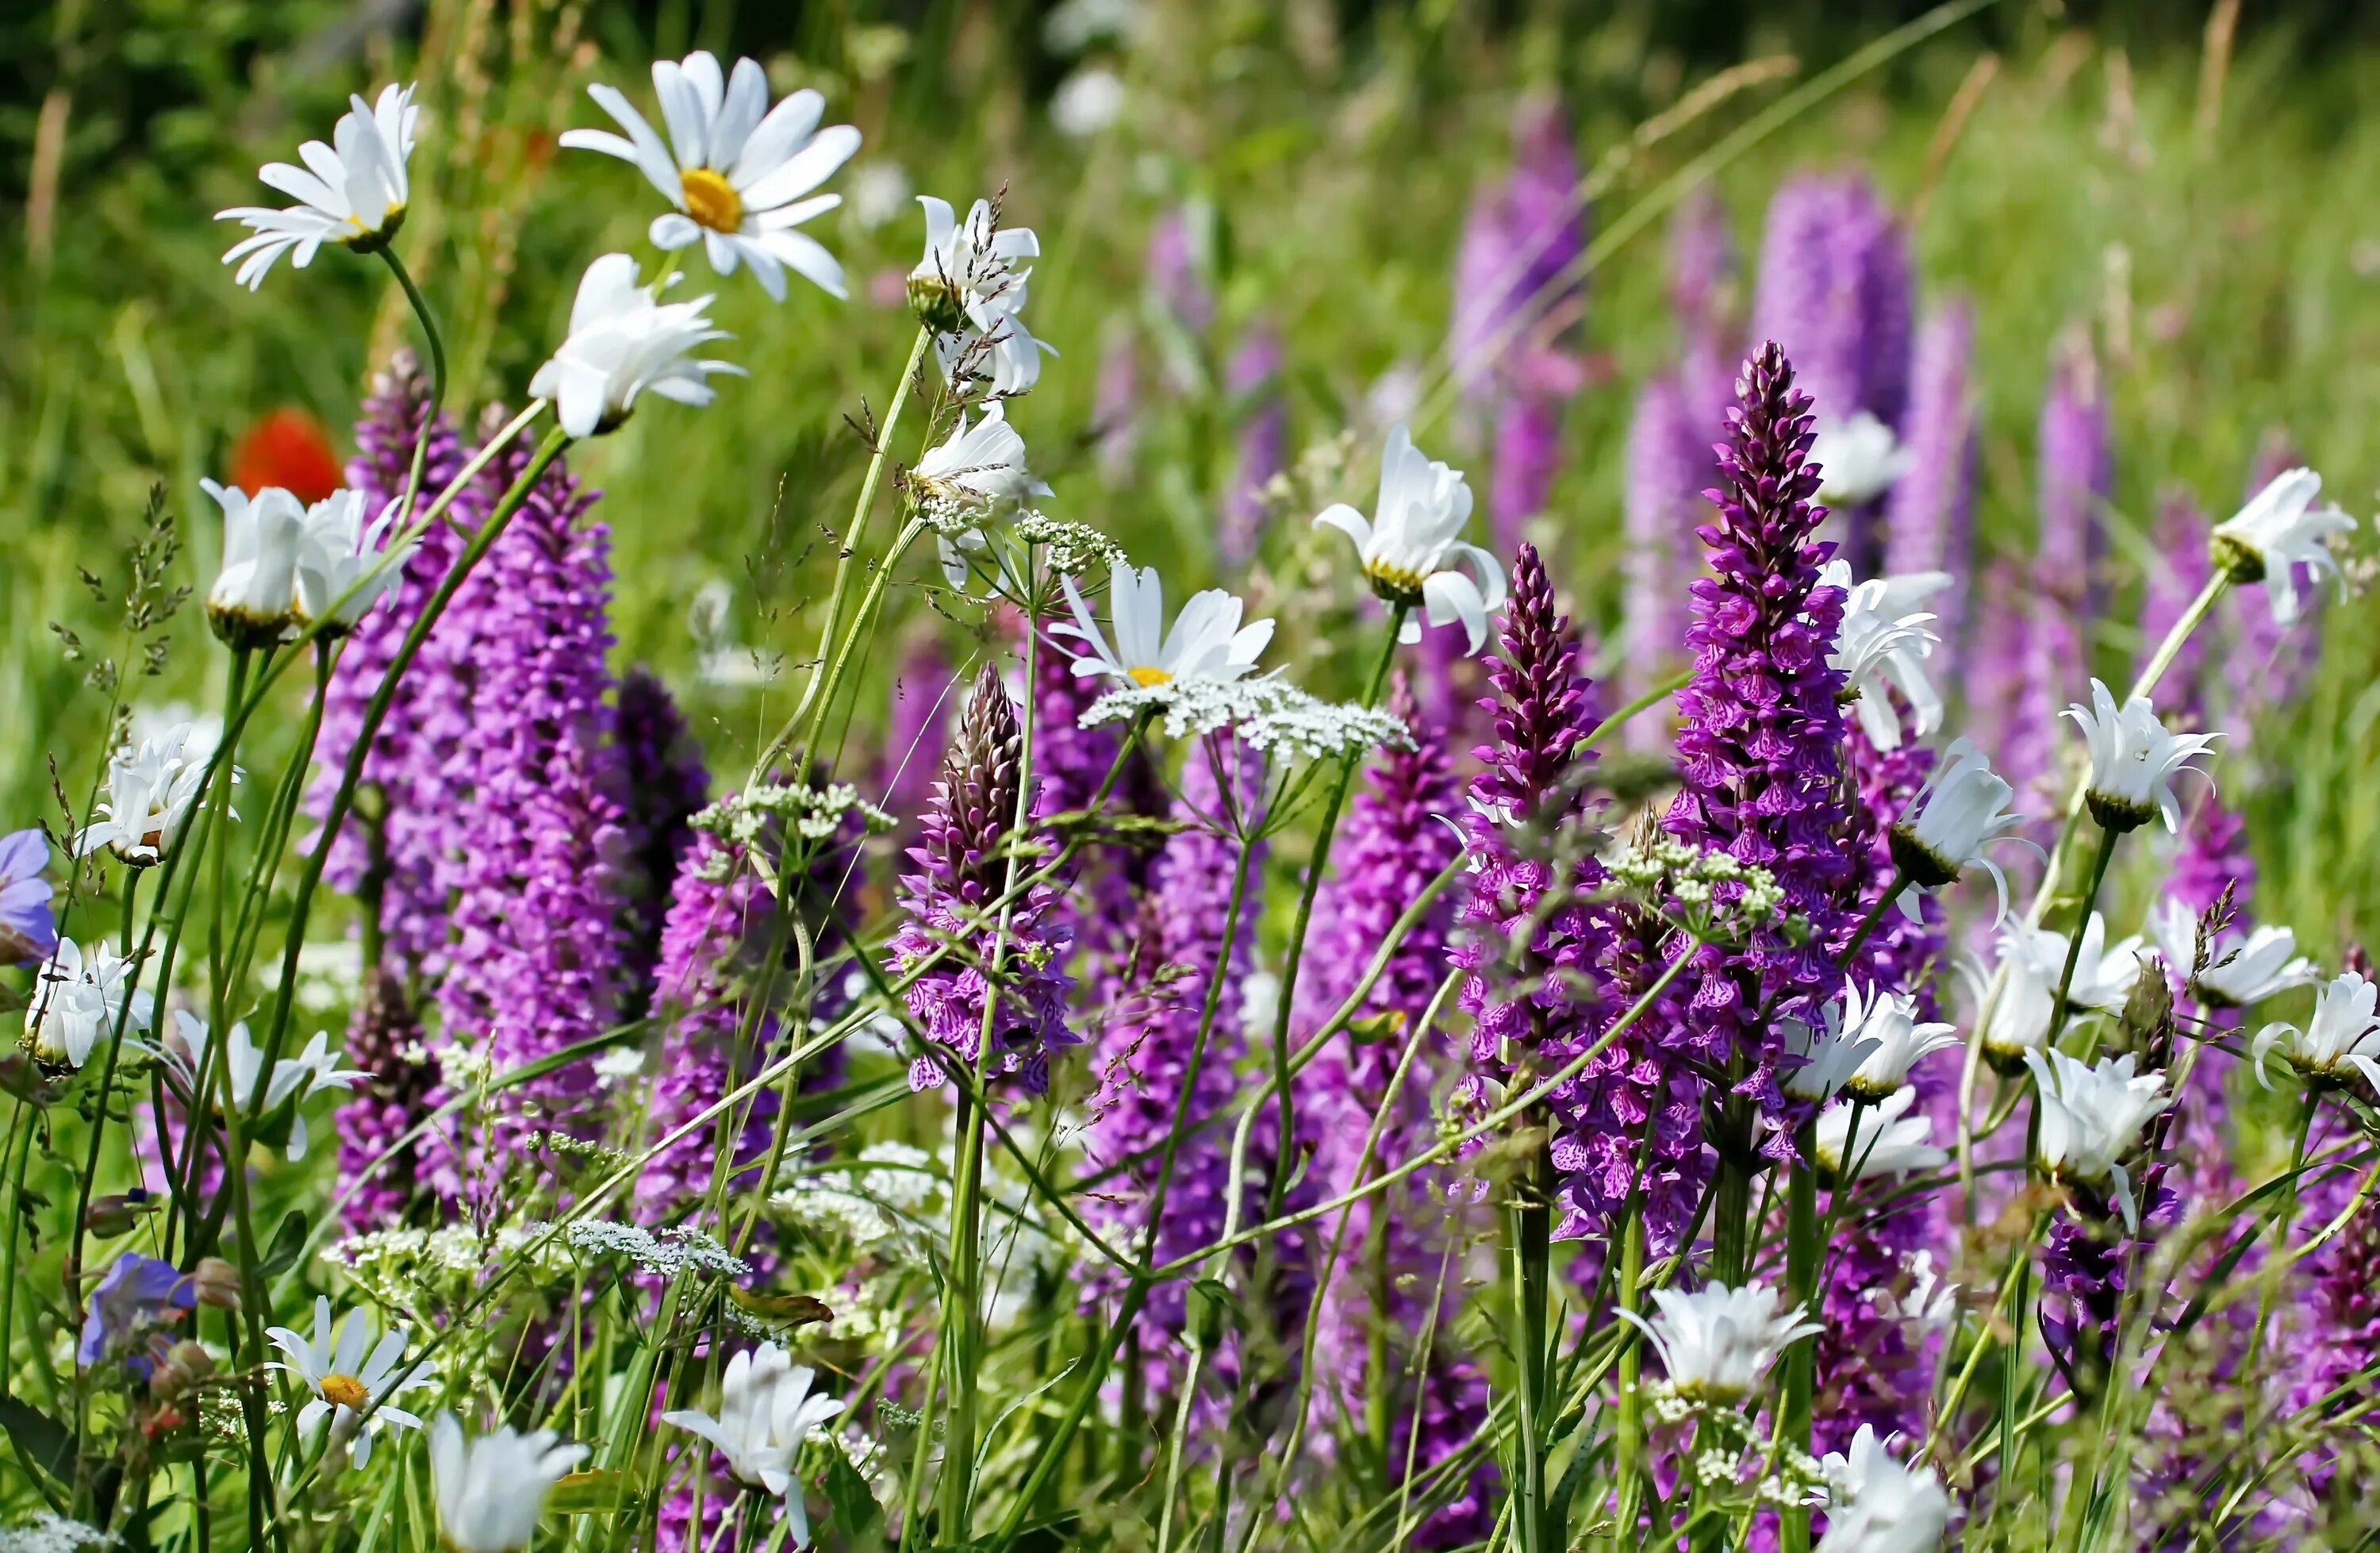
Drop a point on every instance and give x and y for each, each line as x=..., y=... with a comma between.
x=665, y=783
x=1252, y=390
x=1931, y=514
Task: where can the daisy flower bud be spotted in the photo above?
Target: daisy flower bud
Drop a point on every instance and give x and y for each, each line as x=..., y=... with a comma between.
x=338, y=552
x=1409, y=549
x=1962, y=810
x=1207, y=641
x=2090, y=1118
x=2135, y=759
x=625, y=341
x=352, y=191
x=1860, y=1141
x=1882, y=646
x=1715, y=1342
x=215, y=1282
x=739, y=172
x=254, y=597
x=2342, y=1035
x=2279, y=531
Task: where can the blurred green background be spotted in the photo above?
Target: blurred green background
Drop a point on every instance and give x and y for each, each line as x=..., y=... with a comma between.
x=2192, y=185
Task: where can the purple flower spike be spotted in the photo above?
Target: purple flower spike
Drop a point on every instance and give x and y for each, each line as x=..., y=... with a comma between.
x=1932, y=511
x=1760, y=748
x=952, y=900
x=1669, y=465
x=415, y=742
x=29, y=930
x=1252, y=382
x=1702, y=269
x=666, y=784
x=2077, y=466
x=383, y=1041
x=1523, y=231
x=1834, y=292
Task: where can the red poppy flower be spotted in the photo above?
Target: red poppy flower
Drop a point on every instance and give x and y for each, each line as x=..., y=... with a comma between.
x=287, y=447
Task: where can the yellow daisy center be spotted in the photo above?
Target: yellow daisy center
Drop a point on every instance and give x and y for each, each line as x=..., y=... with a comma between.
x=1147, y=677
x=712, y=200
x=345, y=1391
x=1399, y=584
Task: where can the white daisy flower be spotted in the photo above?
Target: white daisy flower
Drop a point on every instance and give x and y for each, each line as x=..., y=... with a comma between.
x=1921, y=1298
x=1878, y=1140
x=147, y=798
x=1858, y=460
x=2090, y=1118
x=1207, y=641
x=1960, y=811
x=2135, y=759
x=765, y=1413
x=2103, y=973
x=336, y=551
x=1716, y=1344
x=1882, y=647
x=1877, y=1505
x=1887, y=1023
x=1829, y=1055
x=739, y=172
x=626, y=341
x=2343, y=1034
x=184, y=1050
x=2240, y=968
x=978, y=472
x=348, y=1374
x=76, y=1000
x=969, y=289
x=255, y=594
x=491, y=1491
x=1411, y=549
x=352, y=191
x=2279, y=531
x=1087, y=102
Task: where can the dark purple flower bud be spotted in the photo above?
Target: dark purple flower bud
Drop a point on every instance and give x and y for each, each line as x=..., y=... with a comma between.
x=384, y=1043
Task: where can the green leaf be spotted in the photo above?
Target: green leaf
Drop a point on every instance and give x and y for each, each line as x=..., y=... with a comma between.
x=39, y=1439
x=288, y=1244
x=597, y=1492
x=1375, y=1030
x=857, y=1522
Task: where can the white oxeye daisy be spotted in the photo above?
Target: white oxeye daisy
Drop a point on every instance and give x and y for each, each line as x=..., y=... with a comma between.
x=2343, y=1034
x=2135, y=759
x=742, y=172
x=491, y=1491
x=1887, y=1023
x=1877, y=1505
x=1960, y=811
x=626, y=341
x=1207, y=641
x=352, y=191
x=1882, y=647
x=2090, y=1118
x=255, y=594
x=1829, y=1055
x=2018, y=1019
x=76, y=1000
x=348, y=1374
x=765, y=1413
x=969, y=289
x=2240, y=968
x=2103, y=973
x=1411, y=549
x=148, y=796
x=1919, y=1297
x=976, y=472
x=185, y=1051
x=343, y=565
x=2279, y=531
x=1878, y=1139
x=1716, y=1343
x=1858, y=460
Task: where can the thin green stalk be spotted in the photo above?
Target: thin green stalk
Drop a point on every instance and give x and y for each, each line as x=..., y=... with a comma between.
x=813, y=704
x=1294, y=956
x=2287, y=1214
x=1660, y=693
x=1530, y=1222
x=1731, y=1205
x=437, y=378
x=1628, y=1445
x=20, y=1151
x=99, y=1112
x=1803, y=1247
x=2105, y=853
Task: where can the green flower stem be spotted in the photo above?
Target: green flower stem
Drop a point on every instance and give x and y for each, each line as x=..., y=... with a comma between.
x=1529, y=1221
x=1803, y=1245
x=1294, y=956
x=2107, y=852
x=962, y=1296
x=1627, y=714
x=1627, y=1443
x=811, y=708
x=437, y=377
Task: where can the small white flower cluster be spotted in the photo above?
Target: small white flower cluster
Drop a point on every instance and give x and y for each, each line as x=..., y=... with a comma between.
x=386, y=1262
x=1271, y=715
x=679, y=1249
x=1072, y=548
x=1663, y=866
x=48, y=1531
x=813, y=814
x=873, y=1212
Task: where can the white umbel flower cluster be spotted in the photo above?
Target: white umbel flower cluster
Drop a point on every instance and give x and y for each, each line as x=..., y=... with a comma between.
x=1269, y=714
